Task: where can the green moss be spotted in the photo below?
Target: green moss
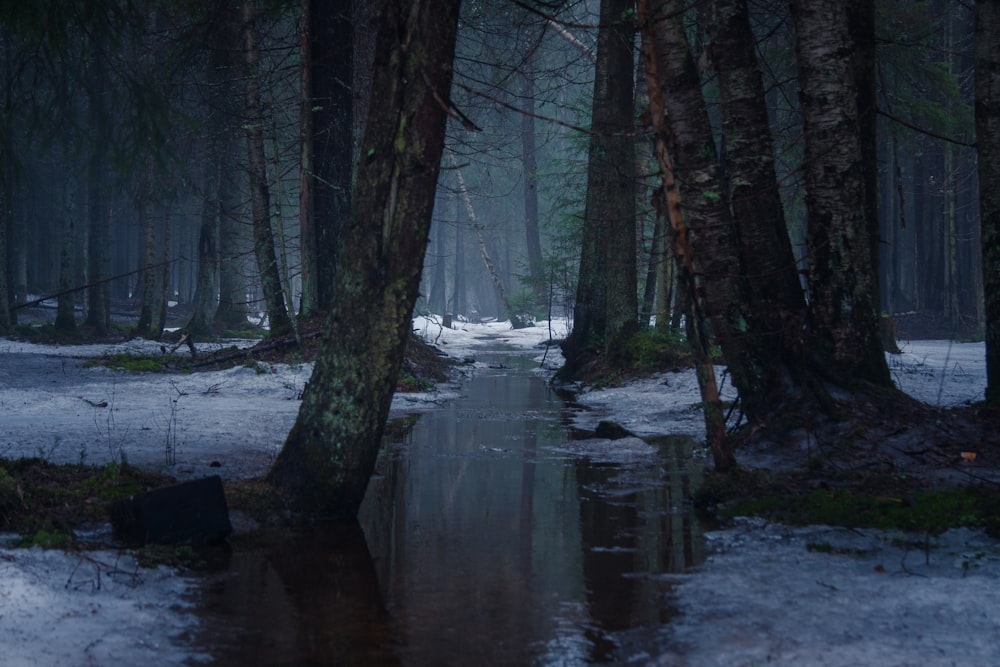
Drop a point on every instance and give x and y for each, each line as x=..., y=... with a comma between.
x=130, y=363
x=649, y=350
x=931, y=512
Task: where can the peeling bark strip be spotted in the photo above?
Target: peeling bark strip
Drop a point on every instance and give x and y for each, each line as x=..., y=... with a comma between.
x=329, y=455
x=715, y=424
x=841, y=274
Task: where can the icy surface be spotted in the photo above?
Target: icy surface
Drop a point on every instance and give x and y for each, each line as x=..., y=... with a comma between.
x=762, y=598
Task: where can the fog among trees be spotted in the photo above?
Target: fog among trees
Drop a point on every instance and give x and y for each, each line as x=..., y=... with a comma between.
x=704, y=168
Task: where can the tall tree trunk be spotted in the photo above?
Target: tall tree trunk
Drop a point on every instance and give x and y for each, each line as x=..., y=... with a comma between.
x=503, y=302
x=437, y=300
x=777, y=305
x=459, y=305
x=328, y=457
x=307, y=232
x=653, y=270
x=206, y=299
x=98, y=221
x=232, y=311
x=331, y=49
x=606, y=298
x=529, y=162
x=659, y=38
x=987, y=38
x=66, y=307
x=842, y=298
x=6, y=314
x=260, y=199
x=148, y=293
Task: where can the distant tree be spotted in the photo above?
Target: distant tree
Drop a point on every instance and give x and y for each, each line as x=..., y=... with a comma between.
x=6, y=314
x=98, y=195
x=260, y=200
x=987, y=49
x=606, y=296
x=325, y=464
x=529, y=160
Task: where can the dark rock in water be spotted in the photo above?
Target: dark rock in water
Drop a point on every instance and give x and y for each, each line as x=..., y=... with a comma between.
x=611, y=430
x=193, y=512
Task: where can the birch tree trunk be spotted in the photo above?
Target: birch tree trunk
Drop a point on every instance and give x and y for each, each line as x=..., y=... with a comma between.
x=329, y=455
x=842, y=282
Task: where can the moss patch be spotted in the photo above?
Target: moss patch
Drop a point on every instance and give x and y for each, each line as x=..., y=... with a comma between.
x=882, y=502
x=44, y=502
x=130, y=363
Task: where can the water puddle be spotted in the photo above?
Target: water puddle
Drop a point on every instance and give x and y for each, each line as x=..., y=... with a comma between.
x=486, y=537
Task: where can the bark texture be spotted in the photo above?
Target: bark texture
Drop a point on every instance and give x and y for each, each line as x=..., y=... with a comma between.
x=842, y=303
x=331, y=48
x=987, y=37
x=776, y=299
x=657, y=38
x=329, y=455
x=260, y=198
x=606, y=299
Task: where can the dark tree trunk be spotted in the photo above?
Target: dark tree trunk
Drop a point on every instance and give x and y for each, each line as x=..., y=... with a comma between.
x=437, y=298
x=331, y=47
x=65, y=308
x=704, y=235
x=842, y=297
x=713, y=236
x=307, y=232
x=324, y=466
x=529, y=161
x=260, y=198
x=232, y=311
x=206, y=299
x=776, y=303
x=606, y=298
x=98, y=222
x=148, y=293
x=6, y=314
x=459, y=305
x=987, y=48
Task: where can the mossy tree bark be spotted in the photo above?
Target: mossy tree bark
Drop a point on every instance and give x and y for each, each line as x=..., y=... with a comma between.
x=329, y=455
x=987, y=38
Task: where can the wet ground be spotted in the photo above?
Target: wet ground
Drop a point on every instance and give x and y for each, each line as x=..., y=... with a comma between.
x=492, y=534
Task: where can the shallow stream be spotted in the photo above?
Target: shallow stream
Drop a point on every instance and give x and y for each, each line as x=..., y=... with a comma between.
x=491, y=534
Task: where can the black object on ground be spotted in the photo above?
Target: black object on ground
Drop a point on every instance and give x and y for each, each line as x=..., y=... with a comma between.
x=192, y=512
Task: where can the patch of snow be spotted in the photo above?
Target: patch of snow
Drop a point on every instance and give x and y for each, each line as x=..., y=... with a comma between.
x=762, y=598
x=833, y=597
x=97, y=608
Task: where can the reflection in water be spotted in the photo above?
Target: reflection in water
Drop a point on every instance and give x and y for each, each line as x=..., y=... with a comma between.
x=480, y=542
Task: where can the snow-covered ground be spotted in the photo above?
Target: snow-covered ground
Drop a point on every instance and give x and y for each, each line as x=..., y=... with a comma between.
x=762, y=598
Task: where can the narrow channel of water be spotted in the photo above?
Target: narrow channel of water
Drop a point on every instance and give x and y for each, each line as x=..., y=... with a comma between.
x=485, y=539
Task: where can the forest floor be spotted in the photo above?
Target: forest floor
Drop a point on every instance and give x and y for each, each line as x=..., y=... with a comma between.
x=911, y=579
